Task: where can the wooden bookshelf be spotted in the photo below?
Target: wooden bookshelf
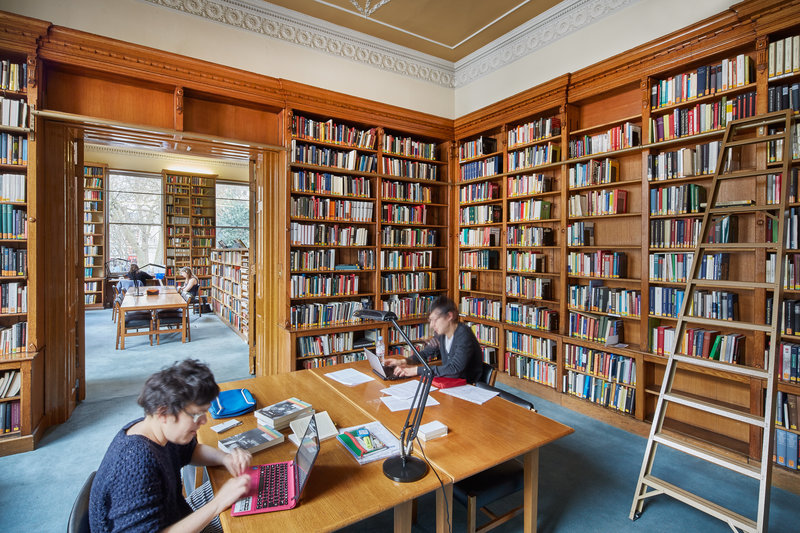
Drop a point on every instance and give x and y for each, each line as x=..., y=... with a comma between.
x=95, y=187
x=189, y=225
x=384, y=200
x=230, y=268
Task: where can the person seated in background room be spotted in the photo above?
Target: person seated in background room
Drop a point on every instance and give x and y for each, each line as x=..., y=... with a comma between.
x=138, y=484
x=454, y=341
x=137, y=275
x=191, y=285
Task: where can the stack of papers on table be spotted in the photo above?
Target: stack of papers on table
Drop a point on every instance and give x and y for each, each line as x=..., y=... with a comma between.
x=471, y=393
x=349, y=377
x=391, y=445
x=399, y=397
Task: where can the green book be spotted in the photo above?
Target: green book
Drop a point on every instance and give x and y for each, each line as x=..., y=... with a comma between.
x=714, y=353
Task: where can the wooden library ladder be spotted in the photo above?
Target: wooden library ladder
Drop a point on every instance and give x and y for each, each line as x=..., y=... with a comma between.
x=777, y=212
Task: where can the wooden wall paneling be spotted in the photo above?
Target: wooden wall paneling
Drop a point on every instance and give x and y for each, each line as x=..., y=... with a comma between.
x=178, y=108
x=78, y=304
x=232, y=119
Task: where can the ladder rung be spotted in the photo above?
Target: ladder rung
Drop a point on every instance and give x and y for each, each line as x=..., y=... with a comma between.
x=724, y=367
x=742, y=209
x=761, y=120
x=725, y=284
x=735, y=324
x=707, y=455
x=736, y=245
x=709, y=507
x=727, y=412
x=755, y=140
x=738, y=174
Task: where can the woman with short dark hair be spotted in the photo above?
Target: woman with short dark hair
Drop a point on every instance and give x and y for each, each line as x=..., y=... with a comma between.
x=138, y=484
x=454, y=341
x=136, y=274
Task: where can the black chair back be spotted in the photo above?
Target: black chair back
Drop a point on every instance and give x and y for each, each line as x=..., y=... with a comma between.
x=79, y=516
x=513, y=398
x=488, y=374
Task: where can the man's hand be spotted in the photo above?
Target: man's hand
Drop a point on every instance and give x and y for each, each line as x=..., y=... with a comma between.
x=237, y=461
x=232, y=491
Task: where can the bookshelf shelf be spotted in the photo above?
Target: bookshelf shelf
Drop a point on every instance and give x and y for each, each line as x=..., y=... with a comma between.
x=337, y=146
x=606, y=125
x=339, y=170
x=544, y=140
x=230, y=275
x=95, y=241
x=702, y=99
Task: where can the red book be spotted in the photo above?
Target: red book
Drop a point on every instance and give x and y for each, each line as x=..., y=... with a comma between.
x=446, y=383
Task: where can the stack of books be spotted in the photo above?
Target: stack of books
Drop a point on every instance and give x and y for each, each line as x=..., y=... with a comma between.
x=279, y=415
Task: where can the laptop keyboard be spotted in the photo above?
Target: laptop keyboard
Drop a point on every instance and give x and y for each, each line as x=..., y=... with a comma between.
x=273, y=485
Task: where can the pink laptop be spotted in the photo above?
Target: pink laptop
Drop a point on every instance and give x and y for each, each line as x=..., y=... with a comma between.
x=278, y=486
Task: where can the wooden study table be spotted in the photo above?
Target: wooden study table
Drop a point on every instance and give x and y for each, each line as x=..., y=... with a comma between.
x=339, y=492
x=478, y=436
x=167, y=298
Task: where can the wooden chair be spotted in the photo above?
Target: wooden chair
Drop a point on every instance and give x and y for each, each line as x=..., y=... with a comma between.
x=134, y=320
x=494, y=484
x=169, y=318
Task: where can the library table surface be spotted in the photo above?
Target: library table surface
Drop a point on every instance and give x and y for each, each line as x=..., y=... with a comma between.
x=478, y=436
x=167, y=298
x=339, y=491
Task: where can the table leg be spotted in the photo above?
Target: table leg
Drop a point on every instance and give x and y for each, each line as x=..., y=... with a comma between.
x=402, y=517
x=531, y=490
x=444, y=509
x=122, y=333
x=183, y=324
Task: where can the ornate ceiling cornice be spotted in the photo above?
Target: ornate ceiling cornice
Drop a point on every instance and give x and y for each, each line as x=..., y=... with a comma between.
x=296, y=28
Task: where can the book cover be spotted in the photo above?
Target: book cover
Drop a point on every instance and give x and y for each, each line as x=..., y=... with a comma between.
x=252, y=441
x=326, y=429
x=390, y=445
x=281, y=413
x=791, y=450
x=780, y=437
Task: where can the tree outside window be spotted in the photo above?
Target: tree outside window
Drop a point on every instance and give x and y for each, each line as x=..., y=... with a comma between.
x=233, y=214
x=135, y=230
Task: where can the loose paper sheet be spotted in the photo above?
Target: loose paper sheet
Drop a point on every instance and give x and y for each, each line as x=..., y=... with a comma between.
x=471, y=393
x=349, y=377
x=404, y=390
x=404, y=404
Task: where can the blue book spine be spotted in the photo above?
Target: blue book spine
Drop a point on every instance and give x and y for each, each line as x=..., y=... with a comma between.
x=780, y=436
x=791, y=450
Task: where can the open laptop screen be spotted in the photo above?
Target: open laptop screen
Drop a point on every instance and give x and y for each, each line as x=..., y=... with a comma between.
x=306, y=454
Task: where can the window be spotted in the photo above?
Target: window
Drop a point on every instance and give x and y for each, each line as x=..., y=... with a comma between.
x=135, y=231
x=233, y=214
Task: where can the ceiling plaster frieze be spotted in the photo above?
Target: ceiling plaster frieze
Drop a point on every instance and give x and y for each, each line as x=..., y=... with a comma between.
x=299, y=29
x=170, y=157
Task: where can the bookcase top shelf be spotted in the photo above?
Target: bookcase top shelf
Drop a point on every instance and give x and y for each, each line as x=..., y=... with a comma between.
x=654, y=111
x=605, y=125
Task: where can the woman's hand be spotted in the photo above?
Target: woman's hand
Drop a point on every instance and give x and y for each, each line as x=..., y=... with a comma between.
x=232, y=491
x=395, y=362
x=237, y=461
x=405, y=371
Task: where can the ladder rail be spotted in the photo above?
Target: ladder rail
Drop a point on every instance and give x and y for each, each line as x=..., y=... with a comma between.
x=721, y=174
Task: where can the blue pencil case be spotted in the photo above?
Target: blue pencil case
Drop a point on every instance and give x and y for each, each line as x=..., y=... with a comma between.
x=232, y=402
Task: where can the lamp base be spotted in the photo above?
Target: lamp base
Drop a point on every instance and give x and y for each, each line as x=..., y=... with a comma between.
x=414, y=469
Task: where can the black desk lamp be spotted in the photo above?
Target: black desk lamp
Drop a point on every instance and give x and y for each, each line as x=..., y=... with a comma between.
x=406, y=468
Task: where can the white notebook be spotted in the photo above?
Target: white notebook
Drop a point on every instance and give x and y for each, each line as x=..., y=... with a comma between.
x=325, y=427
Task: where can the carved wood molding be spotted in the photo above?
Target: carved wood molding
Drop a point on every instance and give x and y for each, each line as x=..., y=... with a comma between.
x=21, y=34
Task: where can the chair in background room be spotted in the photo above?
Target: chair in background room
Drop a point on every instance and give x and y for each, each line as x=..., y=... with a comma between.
x=488, y=374
x=79, y=516
x=114, y=309
x=134, y=320
x=494, y=484
x=169, y=318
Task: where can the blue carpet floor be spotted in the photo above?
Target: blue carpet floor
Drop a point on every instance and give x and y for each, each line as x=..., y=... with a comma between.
x=586, y=479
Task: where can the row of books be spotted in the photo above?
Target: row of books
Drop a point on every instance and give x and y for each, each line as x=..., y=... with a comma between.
x=318, y=345
x=413, y=331
x=531, y=316
x=13, y=149
x=599, y=298
x=720, y=305
x=409, y=306
x=479, y=192
x=14, y=339
x=485, y=333
x=665, y=301
x=670, y=267
x=10, y=383
x=677, y=199
x=517, y=261
x=599, y=391
x=13, y=222
x=323, y=156
x=792, y=225
x=408, y=146
x=605, y=365
x=789, y=316
x=540, y=128
x=783, y=56
x=593, y=172
x=782, y=97
x=775, y=183
x=90, y=286
x=480, y=307
x=321, y=234
x=409, y=169
x=530, y=288
x=14, y=76
x=534, y=156
x=10, y=417
x=411, y=192
x=602, y=329
x=791, y=270
x=529, y=210
x=480, y=214
x=404, y=214
x=328, y=208
x=13, y=297
x=788, y=362
x=302, y=286
x=13, y=112
x=203, y=243
x=92, y=183
x=13, y=261
x=408, y=282
x=319, y=362
x=528, y=184
x=477, y=148
x=408, y=236
x=725, y=347
x=332, y=132
x=325, y=314
x=531, y=345
x=535, y=370
x=467, y=281
x=675, y=232
x=489, y=236
x=786, y=448
x=701, y=118
x=598, y=264
x=580, y=234
x=204, y=232
x=619, y=137
x=481, y=169
x=786, y=410
x=489, y=355
x=92, y=250
x=705, y=80
x=690, y=161
x=333, y=184
x=598, y=203
x=395, y=260
x=92, y=195
x=529, y=236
